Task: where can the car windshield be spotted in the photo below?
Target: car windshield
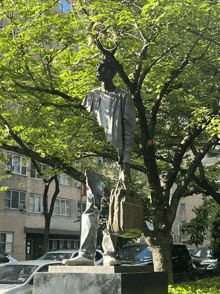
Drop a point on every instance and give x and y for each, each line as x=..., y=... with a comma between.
x=16, y=273
x=202, y=253
x=136, y=252
x=56, y=256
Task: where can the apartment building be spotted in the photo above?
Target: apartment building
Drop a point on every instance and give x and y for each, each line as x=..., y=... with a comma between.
x=21, y=210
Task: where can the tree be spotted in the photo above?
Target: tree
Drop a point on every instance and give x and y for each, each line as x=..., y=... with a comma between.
x=168, y=57
x=205, y=225
x=47, y=209
x=199, y=227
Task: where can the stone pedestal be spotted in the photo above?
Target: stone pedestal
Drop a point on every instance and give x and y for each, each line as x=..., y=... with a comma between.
x=100, y=280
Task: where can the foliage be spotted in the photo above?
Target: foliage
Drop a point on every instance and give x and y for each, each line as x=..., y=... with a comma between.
x=168, y=60
x=205, y=286
x=205, y=225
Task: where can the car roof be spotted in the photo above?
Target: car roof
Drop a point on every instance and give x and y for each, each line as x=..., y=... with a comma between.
x=146, y=245
x=36, y=262
x=62, y=251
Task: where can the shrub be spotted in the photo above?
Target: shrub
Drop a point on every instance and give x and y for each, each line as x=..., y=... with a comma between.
x=205, y=286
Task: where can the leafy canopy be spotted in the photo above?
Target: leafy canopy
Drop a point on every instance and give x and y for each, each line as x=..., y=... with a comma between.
x=168, y=59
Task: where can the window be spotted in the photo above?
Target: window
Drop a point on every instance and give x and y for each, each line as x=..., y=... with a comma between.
x=181, y=233
x=64, y=179
x=6, y=242
x=15, y=200
x=182, y=208
x=34, y=173
x=36, y=204
x=62, y=207
x=16, y=164
x=64, y=6
x=60, y=243
x=79, y=208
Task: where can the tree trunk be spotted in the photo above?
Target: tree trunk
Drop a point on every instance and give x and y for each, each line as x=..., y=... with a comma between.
x=47, y=219
x=161, y=247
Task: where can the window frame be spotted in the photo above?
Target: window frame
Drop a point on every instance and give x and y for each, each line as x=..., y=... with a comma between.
x=58, y=205
x=182, y=211
x=21, y=202
x=64, y=6
x=34, y=172
x=7, y=242
x=13, y=164
x=35, y=205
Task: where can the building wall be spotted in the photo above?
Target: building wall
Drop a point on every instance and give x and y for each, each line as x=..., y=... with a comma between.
x=190, y=203
x=181, y=217
x=15, y=221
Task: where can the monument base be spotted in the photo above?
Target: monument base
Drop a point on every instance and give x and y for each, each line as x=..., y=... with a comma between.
x=100, y=280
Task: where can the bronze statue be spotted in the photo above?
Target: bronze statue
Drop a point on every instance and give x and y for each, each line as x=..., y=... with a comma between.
x=114, y=110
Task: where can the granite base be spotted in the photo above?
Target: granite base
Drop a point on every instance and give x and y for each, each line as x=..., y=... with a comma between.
x=88, y=280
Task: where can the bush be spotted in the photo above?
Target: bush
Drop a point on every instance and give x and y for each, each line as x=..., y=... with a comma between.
x=205, y=286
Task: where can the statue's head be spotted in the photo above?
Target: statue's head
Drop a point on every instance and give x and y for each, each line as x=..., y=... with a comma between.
x=106, y=68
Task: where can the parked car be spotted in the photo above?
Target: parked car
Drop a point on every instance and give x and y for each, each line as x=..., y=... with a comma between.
x=17, y=278
x=6, y=258
x=69, y=253
x=191, y=251
x=203, y=258
x=141, y=255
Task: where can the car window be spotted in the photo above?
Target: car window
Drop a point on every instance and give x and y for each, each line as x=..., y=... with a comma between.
x=146, y=253
x=197, y=253
x=203, y=253
x=43, y=269
x=181, y=251
x=98, y=256
x=56, y=256
x=3, y=259
x=131, y=252
x=16, y=274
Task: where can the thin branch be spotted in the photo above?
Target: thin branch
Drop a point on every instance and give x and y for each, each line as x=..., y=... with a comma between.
x=13, y=135
x=52, y=92
x=168, y=82
x=200, y=35
x=148, y=69
x=210, y=190
x=112, y=157
x=180, y=190
x=201, y=169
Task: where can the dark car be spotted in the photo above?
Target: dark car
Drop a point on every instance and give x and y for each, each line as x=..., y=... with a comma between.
x=141, y=255
x=191, y=251
x=203, y=258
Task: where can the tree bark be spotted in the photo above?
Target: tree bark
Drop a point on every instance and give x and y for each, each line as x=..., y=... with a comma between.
x=161, y=247
x=47, y=219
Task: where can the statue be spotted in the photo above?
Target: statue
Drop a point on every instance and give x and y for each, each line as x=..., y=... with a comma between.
x=114, y=110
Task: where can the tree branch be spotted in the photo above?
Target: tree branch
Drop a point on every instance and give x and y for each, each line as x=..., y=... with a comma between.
x=210, y=190
x=163, y=91
x=180, y=190
x=52, y=92
x=146, y=71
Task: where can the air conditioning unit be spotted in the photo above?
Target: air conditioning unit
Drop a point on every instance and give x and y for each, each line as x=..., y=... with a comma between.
x=22, y=207
x=79, y=184
x=10, y=168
